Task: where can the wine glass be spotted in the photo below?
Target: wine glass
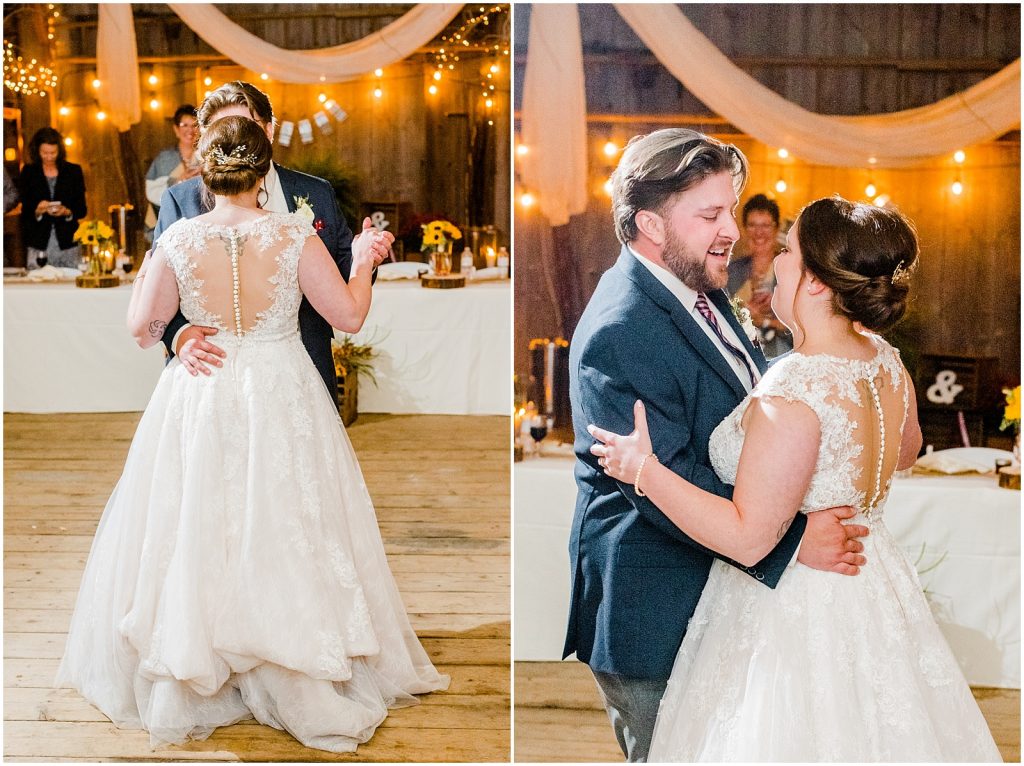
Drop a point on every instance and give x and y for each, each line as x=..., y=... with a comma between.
x=41, y=260
x=538, y=430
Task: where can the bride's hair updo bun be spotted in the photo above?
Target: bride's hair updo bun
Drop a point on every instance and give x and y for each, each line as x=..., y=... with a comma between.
x=864, y=254
x=236, y=155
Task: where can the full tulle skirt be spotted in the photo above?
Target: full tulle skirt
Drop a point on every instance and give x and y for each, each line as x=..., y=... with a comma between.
x=238, y=570
x=823, y=668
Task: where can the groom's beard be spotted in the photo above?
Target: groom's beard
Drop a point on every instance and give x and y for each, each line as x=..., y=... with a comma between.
x=693, y=270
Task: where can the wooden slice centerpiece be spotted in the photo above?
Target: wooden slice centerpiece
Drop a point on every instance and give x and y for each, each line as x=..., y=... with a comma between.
x=445, y=282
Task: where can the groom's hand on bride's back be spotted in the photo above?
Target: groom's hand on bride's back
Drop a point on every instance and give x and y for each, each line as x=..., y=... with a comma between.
x=830, y=545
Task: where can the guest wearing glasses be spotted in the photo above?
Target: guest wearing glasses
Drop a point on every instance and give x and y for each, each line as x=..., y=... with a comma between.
x=752, y=273
x=174, y=164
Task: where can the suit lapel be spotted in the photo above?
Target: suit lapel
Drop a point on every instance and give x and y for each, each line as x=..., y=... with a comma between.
x=721, y=299
x=693, y=334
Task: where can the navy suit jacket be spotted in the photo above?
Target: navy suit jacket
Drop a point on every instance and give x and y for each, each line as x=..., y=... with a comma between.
x=636, y=577
x=184, y=200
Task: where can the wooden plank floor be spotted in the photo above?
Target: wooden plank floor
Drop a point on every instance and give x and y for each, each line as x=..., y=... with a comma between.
x=559, y=717
x=440, y=485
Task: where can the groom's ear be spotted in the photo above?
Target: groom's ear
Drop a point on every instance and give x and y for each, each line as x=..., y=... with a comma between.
x=651, y=225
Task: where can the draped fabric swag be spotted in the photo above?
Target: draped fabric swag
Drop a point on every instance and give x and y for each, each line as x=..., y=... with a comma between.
x=554, y=113
x=980, y=113
x=395, y=42
x=117, y=65
x=554, y=107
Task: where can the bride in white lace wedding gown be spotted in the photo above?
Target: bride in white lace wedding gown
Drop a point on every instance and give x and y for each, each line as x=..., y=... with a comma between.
x=238, y=570
x=824, y=667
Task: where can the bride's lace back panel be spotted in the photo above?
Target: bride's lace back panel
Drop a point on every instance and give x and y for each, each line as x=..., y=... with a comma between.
x=243, y=279
x=839, y=391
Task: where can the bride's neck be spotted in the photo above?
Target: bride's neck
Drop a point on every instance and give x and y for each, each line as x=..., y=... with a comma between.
x=246, y=201
x=828, y=333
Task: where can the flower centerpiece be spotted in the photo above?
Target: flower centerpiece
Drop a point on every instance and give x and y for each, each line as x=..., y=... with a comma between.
x=100, y=250
x=350, y=359
x=1011, y=417
x=437, y=241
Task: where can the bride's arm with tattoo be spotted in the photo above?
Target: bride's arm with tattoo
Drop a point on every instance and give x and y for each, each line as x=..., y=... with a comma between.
x=154, y=300
x=775, y=469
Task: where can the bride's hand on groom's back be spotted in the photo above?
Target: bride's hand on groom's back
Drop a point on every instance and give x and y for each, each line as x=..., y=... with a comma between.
x=830, y=545
x=619, y=455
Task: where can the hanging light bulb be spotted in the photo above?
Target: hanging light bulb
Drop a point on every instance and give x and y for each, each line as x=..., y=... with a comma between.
x=154, y=104
x=783, y=152
x=959, y=156
x=322, y=97
x=153, y=79
x=207, y=81
x=101, y=116
x=96, y=83
x=488, y=103
x=378, y=92
x=378, y=72
x=68, y=141
x=526, y=199
x=264, y=76
x=522, y=149
x=611, y=149
x=495, y=69
x=64, y=111
x=881, y=200
x=780, y=186
x=608, y=187
x=432, y=90
x=870, y=190
x=957, y=188
x=437, y=75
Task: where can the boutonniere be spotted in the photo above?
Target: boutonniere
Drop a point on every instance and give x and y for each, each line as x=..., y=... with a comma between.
x=303, y=209
x=742, y=314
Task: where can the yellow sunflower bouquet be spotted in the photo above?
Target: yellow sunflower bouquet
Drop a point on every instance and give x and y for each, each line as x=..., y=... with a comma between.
x=437, y=234
x=94, y=232
x=1011, y=413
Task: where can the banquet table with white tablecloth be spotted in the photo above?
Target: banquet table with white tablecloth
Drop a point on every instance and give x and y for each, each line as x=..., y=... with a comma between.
x=440, y=351
x=963, y=532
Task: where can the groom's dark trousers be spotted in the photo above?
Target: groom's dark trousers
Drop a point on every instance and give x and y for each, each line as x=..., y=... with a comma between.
x=184, y=200
x=636, y=578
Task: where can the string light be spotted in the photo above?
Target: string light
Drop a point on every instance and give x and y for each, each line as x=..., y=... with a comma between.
x=64, y=111
x=154, y=104
x=608, y=187
x=378, y=72
x=870, y=190
x=611, y=149
x=207, y=81
x=522, y=149
x=783, y=152
x=322, y=97
x=432, y=90
x=378, y=92
x=526, y=199
x=30, y=78
x=101, y=116
x=489, y=103
x=959, y=156
x=881, y=200
x=437, y=75
x=957, y=188
x=96, y=83
x=153, y=79
x=264, y=76
x=780, y=186
x=68, y=141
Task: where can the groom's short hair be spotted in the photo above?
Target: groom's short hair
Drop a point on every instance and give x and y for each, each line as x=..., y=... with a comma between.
x=659, y=165
x=238, y=93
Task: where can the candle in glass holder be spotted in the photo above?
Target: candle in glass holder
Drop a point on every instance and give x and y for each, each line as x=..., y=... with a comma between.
x=491, y=257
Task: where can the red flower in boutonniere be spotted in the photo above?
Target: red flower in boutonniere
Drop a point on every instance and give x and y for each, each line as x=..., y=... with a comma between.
x=318, y=225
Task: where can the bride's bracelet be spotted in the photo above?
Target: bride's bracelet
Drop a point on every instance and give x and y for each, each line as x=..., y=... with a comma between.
x=639, y=470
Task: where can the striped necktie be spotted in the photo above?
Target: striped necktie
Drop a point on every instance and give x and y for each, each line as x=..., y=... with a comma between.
x=709, y=317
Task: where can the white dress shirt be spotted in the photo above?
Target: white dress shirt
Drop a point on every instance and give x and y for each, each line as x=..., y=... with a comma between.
x=687, y=296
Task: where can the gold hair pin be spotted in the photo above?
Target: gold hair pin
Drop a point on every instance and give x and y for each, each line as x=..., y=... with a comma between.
x=236, y=154
x=902, y=275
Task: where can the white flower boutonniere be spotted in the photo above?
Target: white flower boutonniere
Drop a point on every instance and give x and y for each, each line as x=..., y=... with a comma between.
x=742, y=314
x=303, y=209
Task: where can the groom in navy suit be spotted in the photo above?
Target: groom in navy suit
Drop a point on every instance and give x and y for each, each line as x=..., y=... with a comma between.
x=659, y=327
x=280, y=192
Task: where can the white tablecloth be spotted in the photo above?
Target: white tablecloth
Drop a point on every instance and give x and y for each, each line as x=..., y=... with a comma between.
x=441, y=351
x=67, y=349
x=974, y=592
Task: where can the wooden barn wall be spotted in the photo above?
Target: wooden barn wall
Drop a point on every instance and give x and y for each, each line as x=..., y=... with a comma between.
x=407, y=146
x=968, y=287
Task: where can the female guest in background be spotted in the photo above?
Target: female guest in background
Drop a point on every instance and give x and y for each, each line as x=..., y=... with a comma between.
x=52, y=201
x=173, y=165
x=752, y=276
